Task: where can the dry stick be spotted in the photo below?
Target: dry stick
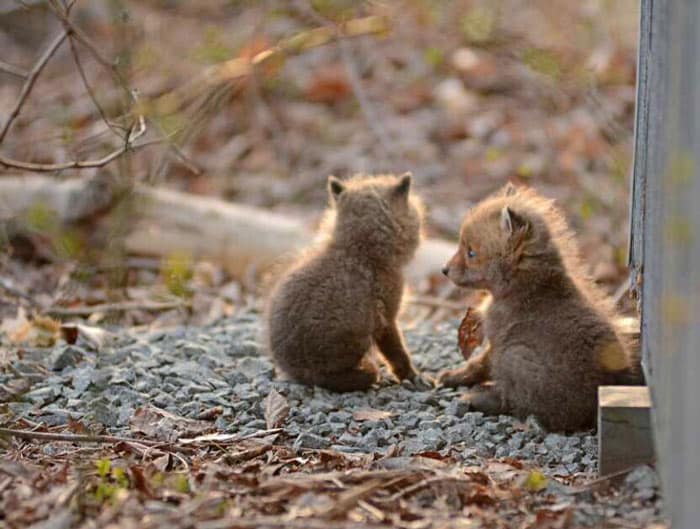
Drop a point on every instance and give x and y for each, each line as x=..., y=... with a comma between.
x=81, y=438
x=75, y=438
x=419, y=486
x=115, y=307
x=210, y=103
x=31, y=79
x=77, y=164
x=13, y=70
x=88, y=88
x=241, y=68
x=81, y=37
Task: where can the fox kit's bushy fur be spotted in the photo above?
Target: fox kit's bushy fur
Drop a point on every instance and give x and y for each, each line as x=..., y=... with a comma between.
x=329, y=311
x=551, y=340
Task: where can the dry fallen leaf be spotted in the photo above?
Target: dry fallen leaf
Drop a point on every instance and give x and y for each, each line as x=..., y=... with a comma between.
x=328, y=85
x=160, y=424
x=39, y=332
x=371, y=414
x=471, y=333
x=276, y=409
x=93, y=336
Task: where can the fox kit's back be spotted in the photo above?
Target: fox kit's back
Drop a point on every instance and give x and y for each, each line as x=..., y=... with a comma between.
x=339, y=303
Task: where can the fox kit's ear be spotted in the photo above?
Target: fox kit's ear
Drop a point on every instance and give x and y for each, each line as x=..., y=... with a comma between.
x=509, y=190
x=404, y=186
x=512, y=223
x=335, y=187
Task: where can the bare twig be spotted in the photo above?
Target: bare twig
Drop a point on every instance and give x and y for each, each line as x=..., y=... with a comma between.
x=74, y=438
x=91, y=93
x=77, y=164
x=86, y=438
x=80, y=36
x=13, y=70
x=116, y=307
x=31, y=79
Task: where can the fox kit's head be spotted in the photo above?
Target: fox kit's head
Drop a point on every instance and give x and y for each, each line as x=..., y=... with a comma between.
x=377, y=216
x=509, y=232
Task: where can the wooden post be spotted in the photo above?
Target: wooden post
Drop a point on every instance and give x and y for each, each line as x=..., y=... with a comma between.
x=665, y=241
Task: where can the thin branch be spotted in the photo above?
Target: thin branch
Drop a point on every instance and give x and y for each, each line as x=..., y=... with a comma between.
x=115, y=307
x=81, y=37
x=88, y=88
x=75, y=438
x=77, y=164
x=31, y=79
x=13, y=70
x=86, y=438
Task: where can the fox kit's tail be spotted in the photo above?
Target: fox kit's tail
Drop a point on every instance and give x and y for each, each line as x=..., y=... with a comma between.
x=627, y=330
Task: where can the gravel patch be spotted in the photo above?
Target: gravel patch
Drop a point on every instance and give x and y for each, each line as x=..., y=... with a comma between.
x=188, y=371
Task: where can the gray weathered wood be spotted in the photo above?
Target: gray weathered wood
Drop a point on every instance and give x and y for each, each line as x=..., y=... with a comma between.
x=624, y=428
x=665, y=243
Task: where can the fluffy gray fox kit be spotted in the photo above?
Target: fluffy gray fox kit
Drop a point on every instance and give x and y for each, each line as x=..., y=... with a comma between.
x=549, y=335
x=339, y=303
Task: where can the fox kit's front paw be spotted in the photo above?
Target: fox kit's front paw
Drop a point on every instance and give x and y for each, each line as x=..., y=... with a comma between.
x=421, y=382
x=404, y=371
x=452, y=378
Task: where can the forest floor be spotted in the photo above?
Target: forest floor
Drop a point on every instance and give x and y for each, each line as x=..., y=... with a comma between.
x=467, y=95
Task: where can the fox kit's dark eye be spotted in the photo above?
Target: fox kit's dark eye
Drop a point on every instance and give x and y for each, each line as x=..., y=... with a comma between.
x=470, y=252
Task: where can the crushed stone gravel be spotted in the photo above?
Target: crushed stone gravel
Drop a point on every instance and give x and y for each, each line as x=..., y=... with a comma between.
x=187, y=371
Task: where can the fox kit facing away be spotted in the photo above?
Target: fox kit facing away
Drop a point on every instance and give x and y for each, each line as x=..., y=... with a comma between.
x=549, y=337
x=331, y=310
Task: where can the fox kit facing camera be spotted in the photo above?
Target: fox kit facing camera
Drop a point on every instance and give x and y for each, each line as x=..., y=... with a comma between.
x=338, y=304
x=549, y=337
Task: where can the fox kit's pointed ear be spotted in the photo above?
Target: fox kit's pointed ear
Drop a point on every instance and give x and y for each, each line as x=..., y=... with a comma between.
x=404, y=186
x=335, y=187
x=509, y=190
x=512, y=223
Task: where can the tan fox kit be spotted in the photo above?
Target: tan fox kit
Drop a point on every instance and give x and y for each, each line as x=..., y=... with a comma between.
x=331, y=310
x=549, y=338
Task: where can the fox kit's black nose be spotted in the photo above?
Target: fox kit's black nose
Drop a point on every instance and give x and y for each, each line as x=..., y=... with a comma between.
x=445, y=270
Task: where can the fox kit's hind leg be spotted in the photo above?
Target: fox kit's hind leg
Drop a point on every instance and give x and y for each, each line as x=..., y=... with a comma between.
x=487, y=399
x=390, y=343
x=476, y=370
x=358, y=378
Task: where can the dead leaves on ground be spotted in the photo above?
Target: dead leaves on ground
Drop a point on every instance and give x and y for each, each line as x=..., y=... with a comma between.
x=256, y=482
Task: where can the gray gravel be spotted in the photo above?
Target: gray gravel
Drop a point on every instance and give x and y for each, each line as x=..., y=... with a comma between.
x=190, y=370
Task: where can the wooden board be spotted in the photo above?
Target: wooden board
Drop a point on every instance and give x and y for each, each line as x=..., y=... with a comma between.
x=624, y=428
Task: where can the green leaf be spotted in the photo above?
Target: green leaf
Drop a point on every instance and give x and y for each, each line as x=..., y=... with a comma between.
x=536, y=481
x=182, y=484
x=103, y=467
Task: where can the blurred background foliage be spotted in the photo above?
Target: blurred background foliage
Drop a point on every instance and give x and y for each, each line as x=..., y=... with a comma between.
x=467, y=94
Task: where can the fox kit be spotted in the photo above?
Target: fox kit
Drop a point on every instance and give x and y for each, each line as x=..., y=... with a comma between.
x=549, y=340
x=331, y=310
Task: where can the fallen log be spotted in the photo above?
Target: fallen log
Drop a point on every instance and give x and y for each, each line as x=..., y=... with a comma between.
x=241, y=238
